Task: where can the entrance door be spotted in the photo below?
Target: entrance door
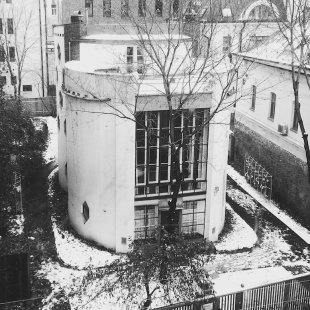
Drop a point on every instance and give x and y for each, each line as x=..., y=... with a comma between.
x=164, y=216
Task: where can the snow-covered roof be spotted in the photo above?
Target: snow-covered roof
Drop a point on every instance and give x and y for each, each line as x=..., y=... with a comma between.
x=277, y=50
x=111, y=37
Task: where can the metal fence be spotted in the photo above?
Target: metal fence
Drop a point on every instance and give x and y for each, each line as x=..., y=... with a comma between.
x=40, y=106
x=258, y=176
x=292, y=294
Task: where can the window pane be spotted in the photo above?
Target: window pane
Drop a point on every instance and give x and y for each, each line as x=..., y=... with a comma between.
x=140, y=156
x=140, y=138
x=152, y=173
x=153, y=155
x=164, y=153
x=164, y=119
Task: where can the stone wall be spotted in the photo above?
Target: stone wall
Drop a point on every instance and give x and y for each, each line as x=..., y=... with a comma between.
x=289, y=174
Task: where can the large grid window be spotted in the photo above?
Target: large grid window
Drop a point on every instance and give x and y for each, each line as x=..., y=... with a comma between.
x=154, y=170
x=272, y=106
x=146, y=221
x=193, y=217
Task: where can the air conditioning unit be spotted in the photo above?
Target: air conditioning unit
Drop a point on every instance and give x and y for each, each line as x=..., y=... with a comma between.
x=283, y=129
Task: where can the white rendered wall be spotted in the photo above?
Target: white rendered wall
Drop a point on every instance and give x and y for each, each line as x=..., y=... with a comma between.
x=272, y=79
x=101, y=165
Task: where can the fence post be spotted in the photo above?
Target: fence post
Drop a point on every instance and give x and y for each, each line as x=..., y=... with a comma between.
x=286, y=295
x=239, y=301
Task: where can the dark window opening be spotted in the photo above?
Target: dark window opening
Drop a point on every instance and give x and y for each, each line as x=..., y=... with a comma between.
x=60, y=99
x=253, y=102
x=1, y=26
x=10, y=26
x=140, y=61
x=130, y=59
x=51, y=90
x=159, y=8
x=13, y=79
x=59, y=52
x=12, y=53
x=27, y=87
x=2, y=80
x=226, y=44
x=272, y=106
x=54, y=9
x=124, y=8
x=89, y=6
x=106, y=8
x=65, y=127
x=142, y=8
x=175, y=7
x=58, y=122
x=85, y=212
x=2, y=54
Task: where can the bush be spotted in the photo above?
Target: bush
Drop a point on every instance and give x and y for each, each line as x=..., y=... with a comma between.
x=21, y=146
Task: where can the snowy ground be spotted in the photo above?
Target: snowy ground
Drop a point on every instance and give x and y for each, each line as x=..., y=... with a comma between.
x=234, y=267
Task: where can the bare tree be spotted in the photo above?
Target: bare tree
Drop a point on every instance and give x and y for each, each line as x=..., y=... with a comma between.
x=294, y=31
x=17, y=39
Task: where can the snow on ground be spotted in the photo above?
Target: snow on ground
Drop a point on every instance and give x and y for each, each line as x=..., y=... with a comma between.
x=241, y=236
x=270, y=205
x=75, y=253
x=246, y=279
x=51, y=122
x=16, y=225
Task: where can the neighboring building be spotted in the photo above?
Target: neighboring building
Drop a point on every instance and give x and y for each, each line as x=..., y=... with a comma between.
x=266, y=124
x=118, y=183
x=27, y=50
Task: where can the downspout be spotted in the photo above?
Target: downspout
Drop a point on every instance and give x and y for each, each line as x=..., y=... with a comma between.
x=41, y=50
x=46, y=52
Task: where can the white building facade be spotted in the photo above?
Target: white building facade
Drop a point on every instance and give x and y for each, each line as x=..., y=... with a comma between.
x=117, y=173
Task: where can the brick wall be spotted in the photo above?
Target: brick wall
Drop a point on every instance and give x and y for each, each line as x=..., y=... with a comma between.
x=289, y=174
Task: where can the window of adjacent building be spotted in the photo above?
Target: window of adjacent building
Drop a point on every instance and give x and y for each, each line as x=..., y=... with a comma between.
x=159, y=8
x=175, y=7
x=140, y=61
x=85, y=211
x=142, y=8
x=27, y=88
x=129, y=59
x=13, y=80
x=295, y=119
x=124, y=8
x=60, y=99
x=89, y=5
x=145, y=222
x=253, y=101
x=272, y=106
x=10, y=25
x=107, y=8
x=2, y=54
x=12, y=53
x=54, y=8
x=58, y=52
x=65, y=127
x=154, y=169
x=226, y=44
x=193, y=215
x=1, y=26
x=2, y=80
x=51, y=90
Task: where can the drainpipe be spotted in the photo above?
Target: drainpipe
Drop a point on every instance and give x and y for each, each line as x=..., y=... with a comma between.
x=46, y=52
x=41, y=49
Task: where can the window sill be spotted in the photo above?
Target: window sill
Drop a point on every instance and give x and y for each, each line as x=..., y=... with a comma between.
x=294, y=130
x=271, y=119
